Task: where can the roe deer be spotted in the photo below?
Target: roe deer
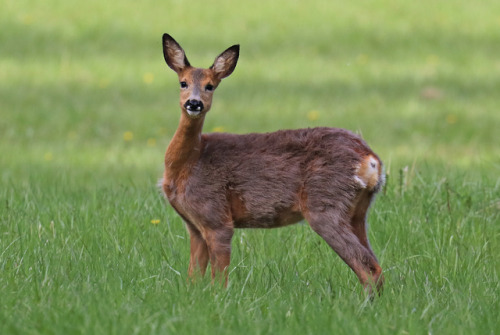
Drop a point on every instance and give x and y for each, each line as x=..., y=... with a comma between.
x=218, y=182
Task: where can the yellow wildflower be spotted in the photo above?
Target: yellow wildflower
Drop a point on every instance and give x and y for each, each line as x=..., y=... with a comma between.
x=219, y=129
x=48, y=156
x=451, y=118
x=27, y=19
x=151, y=142
x=103, y=83
x=148, y=78
x=313, y=115
x=362, y=59
x=432, y=59
x=128, y=136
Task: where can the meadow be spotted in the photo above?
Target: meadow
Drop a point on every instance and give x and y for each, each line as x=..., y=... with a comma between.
x=88, y=105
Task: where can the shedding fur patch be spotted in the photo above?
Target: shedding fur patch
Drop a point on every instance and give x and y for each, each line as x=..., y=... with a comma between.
x=369, y=173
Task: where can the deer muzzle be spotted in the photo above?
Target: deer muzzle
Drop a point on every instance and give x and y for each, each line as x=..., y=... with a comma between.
x=194, y=107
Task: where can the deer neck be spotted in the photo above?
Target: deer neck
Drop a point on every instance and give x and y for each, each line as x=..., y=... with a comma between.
x=185, y=148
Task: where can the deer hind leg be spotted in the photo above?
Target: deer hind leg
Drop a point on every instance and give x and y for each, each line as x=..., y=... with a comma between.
x=198, y=260
x=336, y=230
x=358, y=226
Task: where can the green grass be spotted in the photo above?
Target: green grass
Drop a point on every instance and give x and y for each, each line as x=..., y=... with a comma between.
x=87, y=107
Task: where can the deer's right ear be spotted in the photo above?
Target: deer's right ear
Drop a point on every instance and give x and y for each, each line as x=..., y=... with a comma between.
x=174, y=54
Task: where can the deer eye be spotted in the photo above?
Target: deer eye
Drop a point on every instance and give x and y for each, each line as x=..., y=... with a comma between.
x=184, y=84
x=209, y=87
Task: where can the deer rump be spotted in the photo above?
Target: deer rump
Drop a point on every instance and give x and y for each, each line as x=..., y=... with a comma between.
x=272, y=180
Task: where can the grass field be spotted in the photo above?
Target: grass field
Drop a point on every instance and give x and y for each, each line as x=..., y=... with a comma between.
x=87, y=107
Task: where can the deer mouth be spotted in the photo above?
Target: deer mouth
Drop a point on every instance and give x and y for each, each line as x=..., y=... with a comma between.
x=194, y=114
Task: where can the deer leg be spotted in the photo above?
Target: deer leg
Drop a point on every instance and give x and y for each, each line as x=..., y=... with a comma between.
x=219, y=248
x=336, y=231
x=358, y=219
x=358, y=226
x=199, y=253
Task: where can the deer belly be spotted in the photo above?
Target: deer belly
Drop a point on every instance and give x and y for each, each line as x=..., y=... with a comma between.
x=282, y=219
x=262, y=215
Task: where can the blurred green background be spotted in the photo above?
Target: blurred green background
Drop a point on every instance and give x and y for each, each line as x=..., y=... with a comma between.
x=418, y=80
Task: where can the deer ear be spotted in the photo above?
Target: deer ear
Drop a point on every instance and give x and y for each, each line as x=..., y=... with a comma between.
x=225, y=63
x=174, y=54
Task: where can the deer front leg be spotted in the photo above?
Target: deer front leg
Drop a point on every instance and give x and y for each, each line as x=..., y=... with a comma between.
x=199, y=253
x=219, y=249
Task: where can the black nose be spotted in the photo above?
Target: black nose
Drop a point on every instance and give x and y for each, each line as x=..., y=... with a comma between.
x=194, y=105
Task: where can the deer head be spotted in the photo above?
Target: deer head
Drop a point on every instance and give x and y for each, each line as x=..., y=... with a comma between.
x=198, y=84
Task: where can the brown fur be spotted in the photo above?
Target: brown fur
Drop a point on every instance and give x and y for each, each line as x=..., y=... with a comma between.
x=218, y=182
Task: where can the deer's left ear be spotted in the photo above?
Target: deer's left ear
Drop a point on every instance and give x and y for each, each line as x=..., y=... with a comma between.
x=225, y=63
